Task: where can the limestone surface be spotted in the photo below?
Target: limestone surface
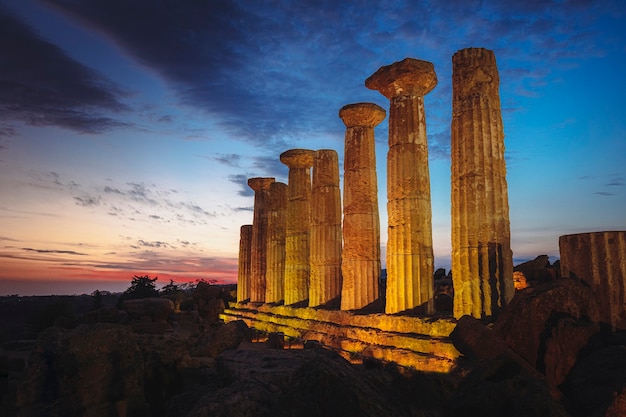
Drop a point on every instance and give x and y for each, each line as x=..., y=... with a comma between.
x=599, y=258
x=325, y=240
x=407, y=77
x=482, y=261
x=410, y=243
x=244, y=262
x=258, y=251
x=360, y=265
x=276, y=229
x=297, y=250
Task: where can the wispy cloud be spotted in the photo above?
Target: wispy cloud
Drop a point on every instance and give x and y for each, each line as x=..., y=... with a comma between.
x=42, y=86
x=604, y=193
x=242, y=181
x=616, y=182
x=231, y=159
x=55, y=251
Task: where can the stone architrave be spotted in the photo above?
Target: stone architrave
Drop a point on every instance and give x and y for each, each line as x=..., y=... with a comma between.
x=297, y=250
x=599, y=259
x=243, y=271
x=482, y=260
x=325, y=238
x=360, y=258
x=410, y=243
x=258, y=257
x=276, y=227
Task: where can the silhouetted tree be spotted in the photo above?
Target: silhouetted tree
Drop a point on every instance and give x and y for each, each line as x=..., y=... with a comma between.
x=141, y=287
x=97, y=300
x=170, y=288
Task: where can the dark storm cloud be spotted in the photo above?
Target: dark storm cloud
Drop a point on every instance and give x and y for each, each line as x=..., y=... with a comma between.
x=42, y=86
x=272, y=71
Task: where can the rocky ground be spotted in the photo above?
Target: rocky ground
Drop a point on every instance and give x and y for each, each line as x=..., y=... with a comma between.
x=547, y=355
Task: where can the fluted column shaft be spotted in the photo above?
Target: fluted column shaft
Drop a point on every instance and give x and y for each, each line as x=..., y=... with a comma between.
x=360, y=263
x=410, y=264
x=297, y=250
x=258, y=257
x=276, y=227
x=243, y=271
x=482, y=261
x=599, y=258
x=325, y=239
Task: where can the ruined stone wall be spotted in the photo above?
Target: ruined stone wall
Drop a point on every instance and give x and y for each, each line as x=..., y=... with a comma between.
x=599, y=259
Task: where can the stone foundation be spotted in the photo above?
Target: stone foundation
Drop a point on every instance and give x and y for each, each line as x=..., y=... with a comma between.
x=417, y=342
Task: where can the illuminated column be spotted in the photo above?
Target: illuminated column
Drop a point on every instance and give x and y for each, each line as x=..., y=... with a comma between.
x=325, y=240
x=599, y=258
x=276, y=224
x=297, y=256
x=360, y=259
x=410, y=241
x=482, y=261
x=258, y=255
x=243, y=272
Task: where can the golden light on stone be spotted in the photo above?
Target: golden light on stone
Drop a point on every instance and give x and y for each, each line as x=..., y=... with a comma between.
x=297, y=250
x=258, y=260
x=243, y=271
x=410, y=260
x=360, y=264
x=277, y=229
x=482, y=261
x=599, y=258
x=325, y=239
x=314, y=256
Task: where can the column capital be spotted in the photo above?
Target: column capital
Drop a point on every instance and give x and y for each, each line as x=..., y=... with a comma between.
x=260, y=183
x=409, y=76
x=298, y=158
x=362, y=114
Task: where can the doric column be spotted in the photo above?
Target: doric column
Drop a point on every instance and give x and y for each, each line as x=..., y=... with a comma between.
x=410, y=242
x=325, y=239
x=360, y=259
x=276, y=227
x=243, y=272
x=297, y=252
x=482, y=261
x=599, y=258
x=258, y=257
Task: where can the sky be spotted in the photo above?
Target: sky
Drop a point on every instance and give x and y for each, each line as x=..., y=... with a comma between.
x=129, y=128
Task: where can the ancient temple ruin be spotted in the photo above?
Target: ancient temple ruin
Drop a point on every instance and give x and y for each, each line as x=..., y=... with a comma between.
x=297, y=249
x=360, y=262
x=325, y=237
x=309, y=273
x=482, y=261
x=599, y=258
x=410, y=245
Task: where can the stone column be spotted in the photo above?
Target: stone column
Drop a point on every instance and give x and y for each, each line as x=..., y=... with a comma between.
x=276, y=227
x=297, y=253
x=482, y=261
x=599, y=259
x=243, y=272
x=258, y=257
x=325, y=239
x=360, y=259
x=410, y=245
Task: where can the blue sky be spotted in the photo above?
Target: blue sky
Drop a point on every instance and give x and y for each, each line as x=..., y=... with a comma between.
x=128, y=129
